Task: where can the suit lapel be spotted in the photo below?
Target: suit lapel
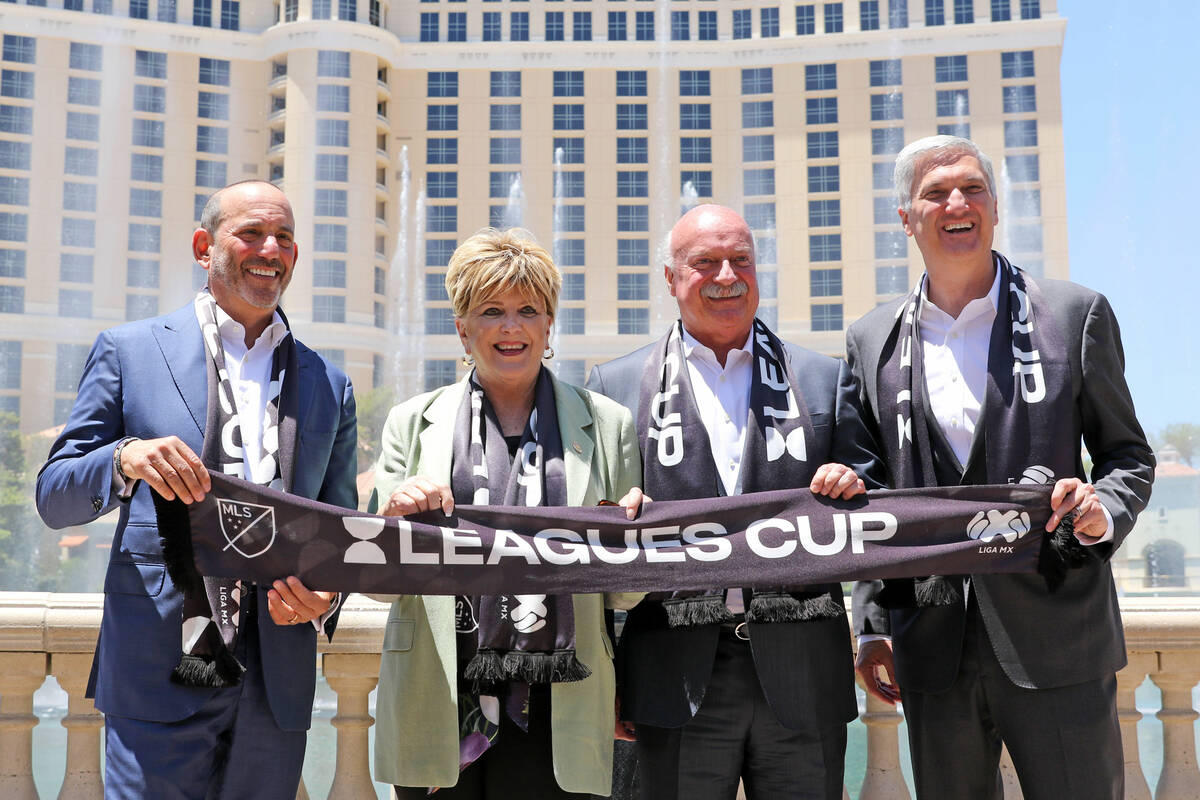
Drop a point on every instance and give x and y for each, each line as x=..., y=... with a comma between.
x=436, y=439
x=574, y=424
x=179, y=341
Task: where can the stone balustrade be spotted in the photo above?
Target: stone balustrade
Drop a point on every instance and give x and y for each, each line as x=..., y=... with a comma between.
x=53, y=634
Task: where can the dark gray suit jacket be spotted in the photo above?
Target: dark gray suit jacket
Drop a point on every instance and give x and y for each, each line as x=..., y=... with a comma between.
x=805, y=668
x=1041, y=640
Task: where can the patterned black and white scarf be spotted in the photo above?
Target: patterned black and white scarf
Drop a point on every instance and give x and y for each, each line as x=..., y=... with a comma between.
x=1028, y=397
x=678, y=463
x=212, y=606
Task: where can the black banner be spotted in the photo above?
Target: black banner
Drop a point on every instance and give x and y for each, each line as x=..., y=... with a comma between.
x=792, y=537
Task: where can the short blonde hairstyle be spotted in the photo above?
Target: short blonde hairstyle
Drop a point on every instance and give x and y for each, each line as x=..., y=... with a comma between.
x=493, y=262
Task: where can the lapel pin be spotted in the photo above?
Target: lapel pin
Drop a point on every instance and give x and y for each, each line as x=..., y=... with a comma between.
x=577, y=447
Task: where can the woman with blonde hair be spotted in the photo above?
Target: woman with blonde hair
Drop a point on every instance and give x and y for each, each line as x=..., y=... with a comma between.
x=509, y=696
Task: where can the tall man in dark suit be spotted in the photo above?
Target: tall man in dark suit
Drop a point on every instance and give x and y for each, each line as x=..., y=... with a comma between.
x=222, y=377
x=985, y=374
x=722, y=685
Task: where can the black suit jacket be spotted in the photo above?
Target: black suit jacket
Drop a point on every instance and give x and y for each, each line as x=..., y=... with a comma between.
x=1040, y=639
x=804, y=668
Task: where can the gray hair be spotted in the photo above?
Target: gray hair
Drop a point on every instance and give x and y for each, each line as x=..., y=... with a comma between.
x=940, y=149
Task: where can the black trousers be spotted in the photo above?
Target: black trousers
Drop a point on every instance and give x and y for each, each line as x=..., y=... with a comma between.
x=518, y=766
x=1065, y=742
x=735, y=736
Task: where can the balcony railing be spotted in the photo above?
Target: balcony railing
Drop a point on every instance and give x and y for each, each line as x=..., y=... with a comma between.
x=45, y=634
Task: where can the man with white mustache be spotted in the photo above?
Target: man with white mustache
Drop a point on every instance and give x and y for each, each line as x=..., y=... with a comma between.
x=986, y=374
x=726, y=685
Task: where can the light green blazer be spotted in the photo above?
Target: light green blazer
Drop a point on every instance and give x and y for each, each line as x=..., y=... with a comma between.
x=416, y=731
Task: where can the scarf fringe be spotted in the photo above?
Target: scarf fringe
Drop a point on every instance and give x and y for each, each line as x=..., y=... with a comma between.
x=788, y=608
x=490, y=667
x=218, y=671
x=686, y=612
x=1062, y=552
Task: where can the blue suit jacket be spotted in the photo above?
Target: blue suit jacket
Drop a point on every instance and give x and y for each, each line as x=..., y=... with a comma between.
x=148, y=379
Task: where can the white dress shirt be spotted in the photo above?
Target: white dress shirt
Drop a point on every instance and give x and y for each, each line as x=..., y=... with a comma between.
x=722, y=395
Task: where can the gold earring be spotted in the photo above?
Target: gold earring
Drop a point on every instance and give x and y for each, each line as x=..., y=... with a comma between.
x=548, y=353
x=468, y=360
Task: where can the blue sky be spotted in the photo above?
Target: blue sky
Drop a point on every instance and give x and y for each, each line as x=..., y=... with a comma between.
x=1131, y=124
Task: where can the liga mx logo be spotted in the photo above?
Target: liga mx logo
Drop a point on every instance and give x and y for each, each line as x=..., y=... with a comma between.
x=987, y=525
x=249, y=528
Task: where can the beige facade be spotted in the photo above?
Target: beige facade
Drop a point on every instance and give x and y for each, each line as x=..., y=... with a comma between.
x=116, y=128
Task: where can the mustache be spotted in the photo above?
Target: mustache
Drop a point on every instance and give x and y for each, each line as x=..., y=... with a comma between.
x=716, y=292
x=273, y=263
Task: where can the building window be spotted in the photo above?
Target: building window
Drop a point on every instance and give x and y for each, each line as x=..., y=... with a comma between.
x=429, y=26
x=335, y=64
x=758, y=114
x=822, y=144
x=960, y=129
x=825, y=247
x=332, y=167
x=504, y=150
x=886, y=141
x=209, y=138
x=505, y=117
x=632, y=184
x=1001, y=10
x=145, y=202
x=897, y=13
x=759, y=181
x=86, y=56
x=759, y=216
x=210, y=173
x=21, y=49
x=644, y=26
x=868, y=15
x=441, y=219
x=820, y=110
x=680, y=28
x=141, y=273
x=500, y=183
x=633, y=219
x=333, y=132
x=202, y=13
x=329, y=308
x=456, y=26
x=438, y=252
x=632, y=150
x=757, y=81
x=150, y=64
x=825, y=282
x=12, y=301
x=1020, y=133
x=759, y=147
x=633, y=321
x=439, y=151
x=86, y=92
x=554, y=26
x=806, y=20
x=76, y=267
x=518, y=26
x=231, y=15
x=144, y=238
x=1031, y=9
x=568, y=83
x=332, y=202
x=953, y=103
x=824, y=213
x=573, y=287
x=15, y=227
x=329, y=273
x=144, y=167
x=16, y=83
x=74, y=303
x=947, y=69
x=568, y=116
x=742, y=23
x=347, y=10
x=706, y=27
x=1022, y=169
x=14, y=191
x=633, y=252
x=616, y=26
x=695, y=149
x=140, y=306
x=1019, y=99
x=826, y=317
x=150, y=99
x=212, y=105
x=891, y=280
x=694, y=116
x=890, y=244
x=569, y=183
x=82, y=161
x=571, y=148
x=570, y=219
x=884, y=210
x=887, y=106
x=329, y=237
x=445, y=117
x=569, y=253
x=700, y=180
x=768, y=23
x=632, y=116
x=167, y=10
x=84, y=127
x=935, y=12
x=16, y=119
x=214, y=71
x=631, y=83
x=503, y=84
x=439, y=372
x=964, y=12
x=633, y=286
x=882, y=175
x=581, y=26
x=491, y=26
x=1018, y=64
x=694, y=83
x=570, y=321
x=833, y=17
x=333, y=98
x=824, y=178
x=820, y=77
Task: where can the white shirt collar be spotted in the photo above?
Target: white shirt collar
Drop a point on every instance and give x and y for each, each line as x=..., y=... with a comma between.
x=988, y=304
x=695, y=350
x=233, y=333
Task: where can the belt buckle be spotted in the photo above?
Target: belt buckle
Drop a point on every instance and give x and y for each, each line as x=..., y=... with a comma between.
x=742, y=632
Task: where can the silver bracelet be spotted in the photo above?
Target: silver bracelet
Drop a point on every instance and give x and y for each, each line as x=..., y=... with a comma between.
x=117, y=455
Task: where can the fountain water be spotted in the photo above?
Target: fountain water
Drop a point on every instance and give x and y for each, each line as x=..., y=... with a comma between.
x=406, y=292
x=514, y=209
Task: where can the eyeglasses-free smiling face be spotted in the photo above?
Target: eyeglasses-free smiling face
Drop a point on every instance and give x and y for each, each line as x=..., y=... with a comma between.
x=506, y=334
x=953, y=215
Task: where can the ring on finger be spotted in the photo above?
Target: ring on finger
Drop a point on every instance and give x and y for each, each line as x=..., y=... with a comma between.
x=295, y=617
